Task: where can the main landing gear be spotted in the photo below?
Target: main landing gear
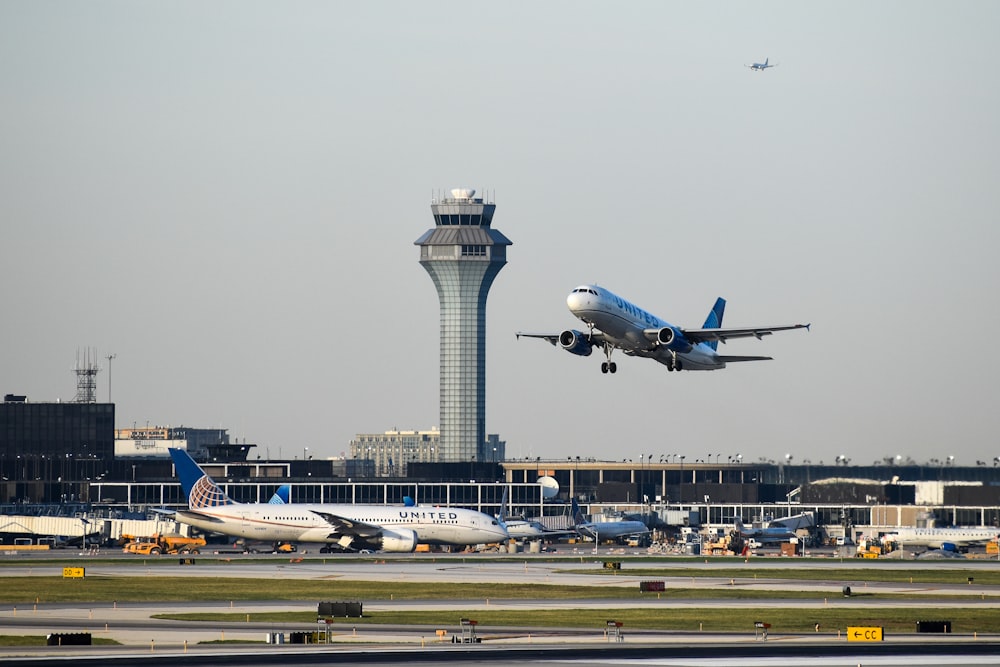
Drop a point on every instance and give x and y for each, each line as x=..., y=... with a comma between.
x=675, y=363
x=608, y=366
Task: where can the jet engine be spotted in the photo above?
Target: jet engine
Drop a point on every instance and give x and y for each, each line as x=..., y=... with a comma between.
x=399, y=540
x=672, y=339
x=576, y=342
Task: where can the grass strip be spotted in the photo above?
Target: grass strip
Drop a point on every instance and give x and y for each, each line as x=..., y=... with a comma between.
x=898, y=620
x=24, y=591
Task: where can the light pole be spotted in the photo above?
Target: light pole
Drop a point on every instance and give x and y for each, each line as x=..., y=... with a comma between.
x=680, y=487
x=109, y=358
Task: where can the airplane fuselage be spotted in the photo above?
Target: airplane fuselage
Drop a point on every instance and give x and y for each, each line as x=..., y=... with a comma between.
x=521, y=528
x=626, y=326
x=938, y=537
x=611, y=530
x=305, y=522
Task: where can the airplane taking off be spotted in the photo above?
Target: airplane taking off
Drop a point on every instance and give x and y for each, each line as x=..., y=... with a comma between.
x=614, y=323
x=605, y=530
x=760, y=67
x=951, y=539
x=376, y=527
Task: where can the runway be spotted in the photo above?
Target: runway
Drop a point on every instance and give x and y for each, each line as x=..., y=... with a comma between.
x=134, y=628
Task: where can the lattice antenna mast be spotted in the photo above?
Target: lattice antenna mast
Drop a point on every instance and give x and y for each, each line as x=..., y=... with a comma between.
x=86, y=376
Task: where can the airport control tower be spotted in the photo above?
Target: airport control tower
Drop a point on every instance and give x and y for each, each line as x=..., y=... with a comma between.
x=463, y=255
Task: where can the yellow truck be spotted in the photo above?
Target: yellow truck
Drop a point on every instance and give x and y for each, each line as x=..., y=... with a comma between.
x=157, y=544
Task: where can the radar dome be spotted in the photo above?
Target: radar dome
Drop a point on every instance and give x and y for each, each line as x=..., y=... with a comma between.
x=550, y=487
x=462, y=193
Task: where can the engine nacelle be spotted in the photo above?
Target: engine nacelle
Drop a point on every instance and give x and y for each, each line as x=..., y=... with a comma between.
x=672, y=339
x=400, y=540
x=576, y=342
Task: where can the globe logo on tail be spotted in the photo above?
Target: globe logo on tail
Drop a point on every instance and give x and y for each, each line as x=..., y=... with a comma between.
x=206, y=493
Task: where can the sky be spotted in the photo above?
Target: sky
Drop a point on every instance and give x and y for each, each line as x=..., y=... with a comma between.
x=225, y=196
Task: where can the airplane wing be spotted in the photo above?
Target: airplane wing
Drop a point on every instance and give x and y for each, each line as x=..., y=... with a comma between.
x=595, y=337
x=552, y=338
x=349, y=527
x=706, y=335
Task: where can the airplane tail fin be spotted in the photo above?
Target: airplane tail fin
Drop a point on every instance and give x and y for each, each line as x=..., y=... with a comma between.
x=502, y=515
x=765, y=61
x=282, y=496
x=714, y=320
x=577, y=514
x=199, y=488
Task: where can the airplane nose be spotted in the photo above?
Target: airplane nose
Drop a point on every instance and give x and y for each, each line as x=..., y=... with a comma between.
x=575, y=301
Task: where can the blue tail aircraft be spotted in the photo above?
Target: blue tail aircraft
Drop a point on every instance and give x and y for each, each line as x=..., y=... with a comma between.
x=760, y=67
x=616, y=324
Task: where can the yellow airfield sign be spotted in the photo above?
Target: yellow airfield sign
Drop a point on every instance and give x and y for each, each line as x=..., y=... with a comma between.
x=864, y=633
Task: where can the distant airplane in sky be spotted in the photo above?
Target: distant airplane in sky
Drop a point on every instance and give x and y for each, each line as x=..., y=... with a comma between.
x=760, y=67
x=605, y=530
x=616, y=324
x=376, y=527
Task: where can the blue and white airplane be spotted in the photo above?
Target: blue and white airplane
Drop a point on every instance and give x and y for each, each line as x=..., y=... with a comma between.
x=760, y=67
x=606, y=530
x=348, y=527
x=616, y=324
x=949, y=539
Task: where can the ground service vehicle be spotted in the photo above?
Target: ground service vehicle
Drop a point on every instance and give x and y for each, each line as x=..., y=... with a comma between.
x=157, y=544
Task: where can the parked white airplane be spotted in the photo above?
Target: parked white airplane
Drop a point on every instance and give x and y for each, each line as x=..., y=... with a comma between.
x=763, y=535
x=520, y=528
x=943, y=538
x=377, y=527
x=614, y=323
x=605, y=530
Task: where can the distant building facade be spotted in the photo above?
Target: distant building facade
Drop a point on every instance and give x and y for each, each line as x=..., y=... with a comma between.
x=56, y=430
x=204, y=444
x=392, y=452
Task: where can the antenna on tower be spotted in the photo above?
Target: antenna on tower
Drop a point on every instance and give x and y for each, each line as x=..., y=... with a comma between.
x=86, y=376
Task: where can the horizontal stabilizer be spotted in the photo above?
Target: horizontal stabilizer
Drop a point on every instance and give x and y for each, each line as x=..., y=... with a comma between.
x=733, y=359
x=194, y=514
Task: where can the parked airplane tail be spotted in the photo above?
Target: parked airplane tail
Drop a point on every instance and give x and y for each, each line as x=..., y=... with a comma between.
x=577, y=515
x=199, y=488
x=714, y=320
x=502, y=515
x=282, y=496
